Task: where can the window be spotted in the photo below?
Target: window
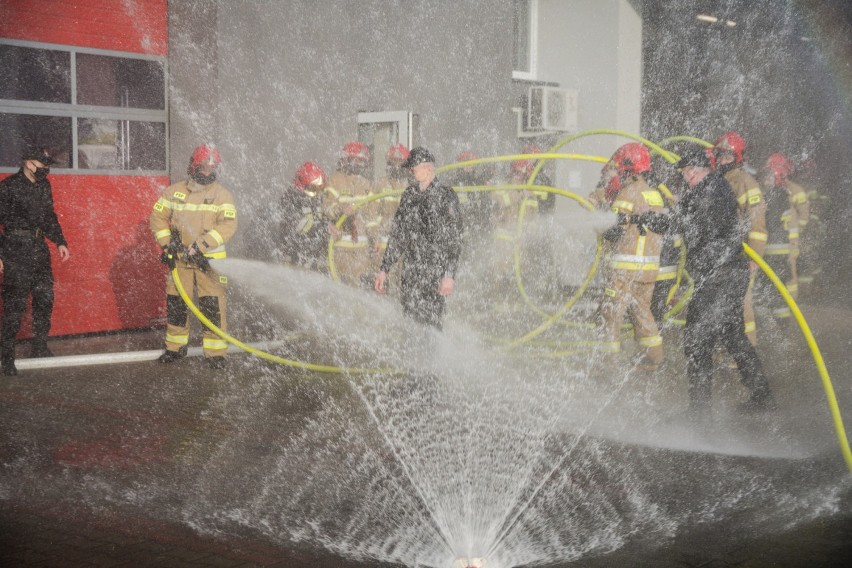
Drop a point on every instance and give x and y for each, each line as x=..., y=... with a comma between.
x=96, y=111
x=524, y=32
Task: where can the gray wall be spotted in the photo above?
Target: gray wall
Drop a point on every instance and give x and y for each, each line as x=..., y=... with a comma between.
x=277, y=83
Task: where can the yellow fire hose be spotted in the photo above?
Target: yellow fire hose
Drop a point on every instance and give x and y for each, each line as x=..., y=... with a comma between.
x=815, y=352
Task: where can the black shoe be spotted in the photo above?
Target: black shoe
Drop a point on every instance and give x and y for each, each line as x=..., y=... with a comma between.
x=41, y=350
x=758, y=404
x=215, y=362
x=9, y=368
x=172, y=356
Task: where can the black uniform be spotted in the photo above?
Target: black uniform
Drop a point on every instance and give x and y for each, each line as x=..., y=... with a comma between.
x=27, y=216
x=426, y=231
x=303, y=230
x=707, y=219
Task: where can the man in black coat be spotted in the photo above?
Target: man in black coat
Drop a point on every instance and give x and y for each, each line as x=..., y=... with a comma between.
x=707, y=218
x=27, y=216
x=426, y=231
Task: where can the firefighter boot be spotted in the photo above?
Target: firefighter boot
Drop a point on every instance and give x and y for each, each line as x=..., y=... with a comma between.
x=172, y=356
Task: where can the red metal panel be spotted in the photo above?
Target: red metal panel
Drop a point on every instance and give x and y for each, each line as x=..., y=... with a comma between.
x=139, y=26
x=114, y=279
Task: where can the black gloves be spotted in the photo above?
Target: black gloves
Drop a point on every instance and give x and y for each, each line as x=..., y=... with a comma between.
x=613, y=234
x=659, y=223
x=167, y=258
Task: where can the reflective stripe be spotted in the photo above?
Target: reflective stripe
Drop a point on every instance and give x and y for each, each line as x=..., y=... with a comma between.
x=215, y=234
x=162, y=234
x=208, y=343
x=504, y=235
x=652, y=341
x=626, y=205
x=793, y=287
x=217, y=254
x=781, y=313
x=794, y=232
x=332, y=191
x=306, y=223
x=619, y=265
x=179, y=339
x=177, y=206
x=667, y=273
x=640, y=245
x=636, y=258
x=611, y=346
x=677, y=240
x=778, y=249
x=742, y=198
x=799, y=198
x=346, y=241
x=758, y=236
x=750, y=326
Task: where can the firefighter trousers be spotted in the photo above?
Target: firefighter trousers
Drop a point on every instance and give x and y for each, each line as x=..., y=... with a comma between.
x=210, y=288
x=715, y=315
x=625, y=296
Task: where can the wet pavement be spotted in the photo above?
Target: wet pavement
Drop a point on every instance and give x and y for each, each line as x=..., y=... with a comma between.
x=102, y=466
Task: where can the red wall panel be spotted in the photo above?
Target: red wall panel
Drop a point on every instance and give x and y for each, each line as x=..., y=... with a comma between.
x=139, y=26
x=114, y=279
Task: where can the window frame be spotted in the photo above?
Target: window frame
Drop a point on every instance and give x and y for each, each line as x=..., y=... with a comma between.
x=532, y=45
x=76, y=111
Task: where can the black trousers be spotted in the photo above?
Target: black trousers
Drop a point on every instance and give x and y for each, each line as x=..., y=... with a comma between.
x=420, y=299
x=715, y=316
x=26, y=270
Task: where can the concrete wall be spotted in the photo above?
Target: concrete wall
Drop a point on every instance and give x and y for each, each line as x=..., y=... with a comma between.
x=595, y=47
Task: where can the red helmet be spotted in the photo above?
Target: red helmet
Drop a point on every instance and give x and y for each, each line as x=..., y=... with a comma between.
x=523, y=166
x=731, y=143
x=531, y=149
x=204, y=155
x=780, y=167
x=632, y=158
x=466, y=156
x=310, y=179
x=398, y=152
x=356, y=150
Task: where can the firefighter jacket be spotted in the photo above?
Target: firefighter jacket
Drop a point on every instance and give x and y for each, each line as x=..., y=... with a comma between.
x=303, y=229
x=636, y=253
x=385, y=208
x=205, y=216
x=706, y=217
x=28, y=206
x=787, y=205
x=348, y=189
x=426, y=233
x=751, y=207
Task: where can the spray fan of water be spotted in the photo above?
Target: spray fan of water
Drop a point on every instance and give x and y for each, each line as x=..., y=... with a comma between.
x=465, y=452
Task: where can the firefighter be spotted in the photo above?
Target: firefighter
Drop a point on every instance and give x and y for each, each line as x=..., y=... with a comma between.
x=192, y=221
x=634, y=254
x=476, y=206
x=671, y=248
x=395, y=179
x=547, y=200
x=812, y=230
x=28, y=216
x=707, y=218
x=787, y=206
x=426, y=232
x=728, y=158
x=346, y=187
x=304, y=230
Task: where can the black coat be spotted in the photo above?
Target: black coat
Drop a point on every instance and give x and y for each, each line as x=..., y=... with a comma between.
x=707, y=218
x=27, y=205
x=303, y=231
x=426, y=232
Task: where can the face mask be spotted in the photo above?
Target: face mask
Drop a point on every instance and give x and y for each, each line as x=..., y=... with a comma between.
x=202, y=179
x=40, y=174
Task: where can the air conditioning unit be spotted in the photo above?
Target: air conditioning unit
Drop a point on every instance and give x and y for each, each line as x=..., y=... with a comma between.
x=552, y=108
